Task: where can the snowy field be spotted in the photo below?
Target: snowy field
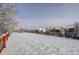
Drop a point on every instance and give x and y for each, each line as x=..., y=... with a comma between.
x=36, y=44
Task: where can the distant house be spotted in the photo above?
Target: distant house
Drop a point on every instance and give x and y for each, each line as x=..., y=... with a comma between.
x=42, y=30
x=72, y=31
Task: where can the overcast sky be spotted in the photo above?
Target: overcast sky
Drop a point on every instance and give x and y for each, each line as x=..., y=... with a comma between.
x=45, y=15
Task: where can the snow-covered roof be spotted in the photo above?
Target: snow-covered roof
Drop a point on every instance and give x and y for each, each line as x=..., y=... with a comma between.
x=70, y=26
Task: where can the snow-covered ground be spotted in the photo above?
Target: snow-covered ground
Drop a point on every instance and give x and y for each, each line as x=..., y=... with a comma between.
x=36, y=44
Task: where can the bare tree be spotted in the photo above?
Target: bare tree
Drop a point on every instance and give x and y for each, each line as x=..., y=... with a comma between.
x=7, y=18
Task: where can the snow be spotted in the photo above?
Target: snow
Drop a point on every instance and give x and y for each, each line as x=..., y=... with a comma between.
x=36, y=44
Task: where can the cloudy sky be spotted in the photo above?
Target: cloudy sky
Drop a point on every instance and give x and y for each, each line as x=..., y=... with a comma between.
x=45, y=15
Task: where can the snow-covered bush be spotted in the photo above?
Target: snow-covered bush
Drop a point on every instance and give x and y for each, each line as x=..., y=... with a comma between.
x=7, y=18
